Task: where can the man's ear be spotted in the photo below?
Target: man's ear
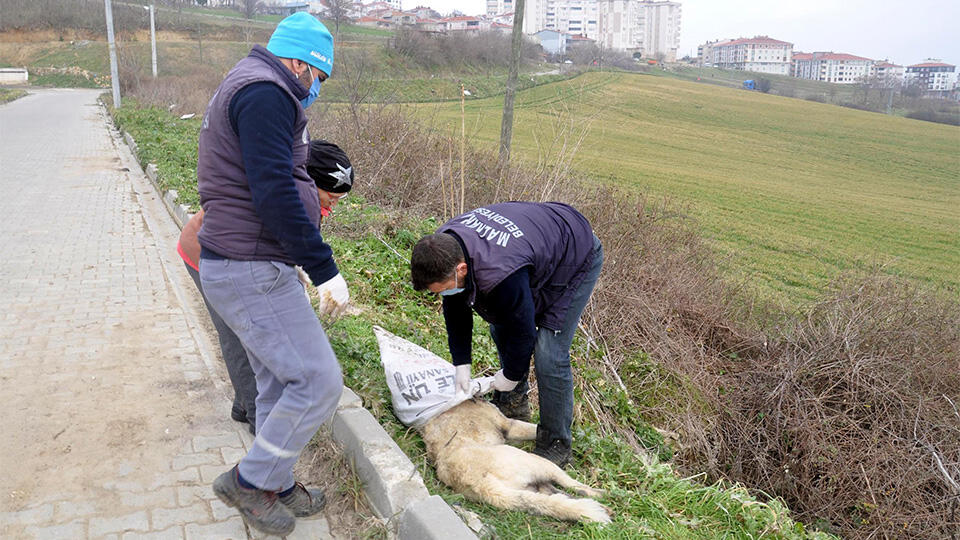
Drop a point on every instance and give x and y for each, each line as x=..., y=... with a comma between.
x=461, y=269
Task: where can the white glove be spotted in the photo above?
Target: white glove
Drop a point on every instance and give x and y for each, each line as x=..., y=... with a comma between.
x=503, y=384
x=463, y=379
x=334, y=296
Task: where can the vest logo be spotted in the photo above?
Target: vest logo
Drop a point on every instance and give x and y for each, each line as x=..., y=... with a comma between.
x=320, y=57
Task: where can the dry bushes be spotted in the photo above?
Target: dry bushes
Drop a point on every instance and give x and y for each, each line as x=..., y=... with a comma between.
x=851, y=415
x=846, y=412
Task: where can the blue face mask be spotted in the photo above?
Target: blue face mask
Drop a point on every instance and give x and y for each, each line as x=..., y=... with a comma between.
x=453, y=291
x=314, y=92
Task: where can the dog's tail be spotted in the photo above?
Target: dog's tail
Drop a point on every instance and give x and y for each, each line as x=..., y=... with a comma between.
x=558, y=505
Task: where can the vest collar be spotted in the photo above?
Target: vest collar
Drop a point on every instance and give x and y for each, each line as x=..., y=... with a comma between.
x=290, y=80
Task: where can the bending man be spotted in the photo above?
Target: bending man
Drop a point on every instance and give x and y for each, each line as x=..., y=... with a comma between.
x=528, y=269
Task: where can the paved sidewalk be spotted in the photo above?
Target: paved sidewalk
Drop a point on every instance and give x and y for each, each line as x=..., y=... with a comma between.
x=116, y=408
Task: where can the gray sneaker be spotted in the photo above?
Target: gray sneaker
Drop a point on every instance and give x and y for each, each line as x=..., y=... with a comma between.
x=259, y=508
x=304, y=502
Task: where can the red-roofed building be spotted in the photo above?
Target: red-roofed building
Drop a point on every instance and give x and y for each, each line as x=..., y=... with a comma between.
x=759, y=54
x=889, y=74
x=374, y=22
x=466, y=24
x=840, y=68
x=934, y=77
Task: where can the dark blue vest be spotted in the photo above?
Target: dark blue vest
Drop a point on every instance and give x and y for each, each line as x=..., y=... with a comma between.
x=231, y=225
x=552, y=239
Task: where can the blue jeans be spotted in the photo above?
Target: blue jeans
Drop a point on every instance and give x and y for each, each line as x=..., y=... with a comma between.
x=551, y=358
x=238, y=367
x=298, y=377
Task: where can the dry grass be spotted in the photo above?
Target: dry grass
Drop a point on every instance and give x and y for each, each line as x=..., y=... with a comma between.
x=346, y=510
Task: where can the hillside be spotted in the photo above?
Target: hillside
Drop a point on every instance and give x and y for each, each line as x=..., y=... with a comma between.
x=791, y=192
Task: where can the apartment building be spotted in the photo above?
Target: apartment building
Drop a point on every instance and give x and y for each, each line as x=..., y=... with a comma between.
x=569, y=16
x=889, y=74
x=651, y=28
x=839, y=68
x=935, y=78
x=760, y=54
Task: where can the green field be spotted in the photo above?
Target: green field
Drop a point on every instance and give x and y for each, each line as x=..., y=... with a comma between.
x=790, y=192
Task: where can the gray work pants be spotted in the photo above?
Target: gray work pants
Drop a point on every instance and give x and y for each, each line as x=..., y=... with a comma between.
x=238, y=367
x=298, y=377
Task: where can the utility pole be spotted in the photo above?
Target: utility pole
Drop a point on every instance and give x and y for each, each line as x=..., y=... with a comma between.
x=506, y=125
x=114, y=77
x=153, y=42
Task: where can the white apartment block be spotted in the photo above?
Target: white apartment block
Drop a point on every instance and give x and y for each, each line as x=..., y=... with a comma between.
x=839, y=68
x=500, y=7
x=759, y=54
x=934, y=77
x=651, y=28
x=569, y=16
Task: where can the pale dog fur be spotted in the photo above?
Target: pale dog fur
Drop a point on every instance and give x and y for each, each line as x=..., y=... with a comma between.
x=466, y=445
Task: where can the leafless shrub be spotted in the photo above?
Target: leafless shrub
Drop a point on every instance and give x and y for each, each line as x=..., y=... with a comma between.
x=456, y=50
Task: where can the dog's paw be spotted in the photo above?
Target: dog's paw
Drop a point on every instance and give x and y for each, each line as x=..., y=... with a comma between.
x=589, y=492
x=591, y=510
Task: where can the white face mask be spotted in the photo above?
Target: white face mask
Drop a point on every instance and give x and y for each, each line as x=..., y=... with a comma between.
x=453, y=291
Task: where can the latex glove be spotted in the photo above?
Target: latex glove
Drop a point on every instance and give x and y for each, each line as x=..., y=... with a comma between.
x=305, y=281
x=334, y=296
x=503, y=384
x=463, y=379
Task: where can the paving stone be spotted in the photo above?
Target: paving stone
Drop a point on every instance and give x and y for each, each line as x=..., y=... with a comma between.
x=232, y=529
x=74, y=529
x=148, y=499
x=189, y=495
x=136, y=521
x=201, y=443
x=161, y=518
x=173, y=533
x=66, y=510
x=29, y=516
x=191, y=460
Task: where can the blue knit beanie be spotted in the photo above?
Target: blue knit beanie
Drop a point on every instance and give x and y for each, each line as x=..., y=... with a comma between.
x=304, y=37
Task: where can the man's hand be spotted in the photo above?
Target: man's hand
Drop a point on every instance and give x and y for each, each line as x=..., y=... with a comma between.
x=503, y=384
x=463, y=379
x=334, y=296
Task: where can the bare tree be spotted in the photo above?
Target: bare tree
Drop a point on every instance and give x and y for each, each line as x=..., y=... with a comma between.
x=339, y=12
x=250, y=8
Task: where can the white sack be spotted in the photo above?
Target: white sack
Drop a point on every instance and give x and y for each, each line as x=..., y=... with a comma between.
x=421, y=383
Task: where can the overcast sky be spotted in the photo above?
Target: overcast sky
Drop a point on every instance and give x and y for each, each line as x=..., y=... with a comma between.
x=906, y=32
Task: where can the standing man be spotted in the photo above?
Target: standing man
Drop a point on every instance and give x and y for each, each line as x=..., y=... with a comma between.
x=261, y=211
x=528, y=269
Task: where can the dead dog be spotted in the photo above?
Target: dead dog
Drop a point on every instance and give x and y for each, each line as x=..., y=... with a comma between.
x=466, y=445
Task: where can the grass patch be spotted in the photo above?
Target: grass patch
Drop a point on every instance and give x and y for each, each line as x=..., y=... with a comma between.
x=9, y=94
x=169, y=142
x=790, y=192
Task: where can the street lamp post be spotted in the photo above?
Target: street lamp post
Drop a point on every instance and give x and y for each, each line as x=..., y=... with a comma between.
x=153, y=43
x=114, y=77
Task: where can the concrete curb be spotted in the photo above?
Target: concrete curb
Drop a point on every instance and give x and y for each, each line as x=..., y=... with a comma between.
x=391, y=483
